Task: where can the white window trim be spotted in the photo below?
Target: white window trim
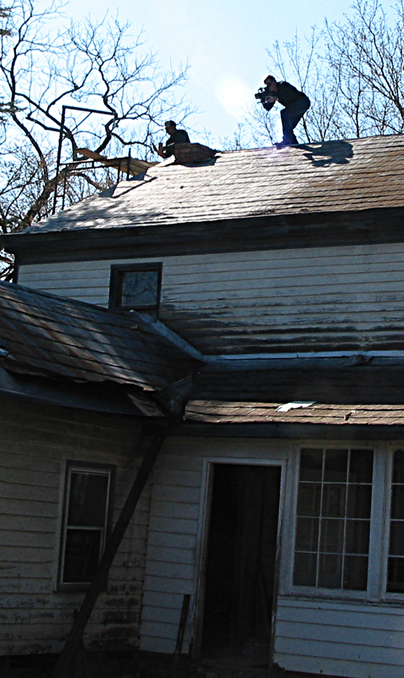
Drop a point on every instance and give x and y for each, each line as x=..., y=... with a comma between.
x=337, y=594
x=95, y=469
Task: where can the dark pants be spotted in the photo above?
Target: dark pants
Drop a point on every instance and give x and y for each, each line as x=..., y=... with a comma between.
x=291, y=116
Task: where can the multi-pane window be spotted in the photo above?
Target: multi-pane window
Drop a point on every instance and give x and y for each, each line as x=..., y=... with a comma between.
x=333, y=518
x=87, y=504
x=395, y=566
x=136, y=287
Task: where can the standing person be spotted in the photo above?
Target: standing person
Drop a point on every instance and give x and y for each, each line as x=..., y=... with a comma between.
x=177, y=136
x=296, y=104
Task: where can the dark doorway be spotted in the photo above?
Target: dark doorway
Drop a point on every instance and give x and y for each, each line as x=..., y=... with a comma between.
x=240, y=563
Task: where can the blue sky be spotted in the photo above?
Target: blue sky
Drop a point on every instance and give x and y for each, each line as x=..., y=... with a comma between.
x=224, y=42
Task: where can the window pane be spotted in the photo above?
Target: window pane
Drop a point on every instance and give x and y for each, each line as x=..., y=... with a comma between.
x=140, y=288
x=359, y=501
x=398, y=471
x=82, y=552
x=397, y=502
x=305, y=569
x=334, y=501
x=332, y=536
x=357, y=536
x=361, y=466
x=311, y=464
x=308, y=503
x=395, y=575
x=336, y=464
x=87, y=499
x=330, y=571
x=397, y=538
x=307, y=534
x=355, y=573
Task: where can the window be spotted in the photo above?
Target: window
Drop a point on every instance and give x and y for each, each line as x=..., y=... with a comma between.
x=86, y=518
x=136, y=287
x=333, y=519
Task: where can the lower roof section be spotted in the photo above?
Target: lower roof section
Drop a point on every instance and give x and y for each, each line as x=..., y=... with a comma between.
x=106, y=397
x=294, y=412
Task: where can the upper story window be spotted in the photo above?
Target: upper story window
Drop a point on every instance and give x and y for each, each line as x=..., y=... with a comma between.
x=137, y=287
x=333, y=519
x=86, y=518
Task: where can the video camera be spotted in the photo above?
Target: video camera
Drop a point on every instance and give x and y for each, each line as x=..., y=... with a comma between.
x=262, y=93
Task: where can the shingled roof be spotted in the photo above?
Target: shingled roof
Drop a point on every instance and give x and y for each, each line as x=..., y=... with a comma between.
x=51, y=336
x=70, y=341
x=332, y=176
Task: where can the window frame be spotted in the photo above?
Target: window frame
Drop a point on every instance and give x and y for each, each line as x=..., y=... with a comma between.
x=333, y=593
x=116, y=285
x=95, y=469
x=389, y=596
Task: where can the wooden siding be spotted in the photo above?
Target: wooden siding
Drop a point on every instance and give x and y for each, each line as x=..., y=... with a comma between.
x=330, y=298
x=353, y=638
x=34, y=444
x=333, y=638
x=175, y=531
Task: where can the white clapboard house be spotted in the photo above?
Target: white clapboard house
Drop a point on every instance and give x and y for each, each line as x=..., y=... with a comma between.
x=251, y=307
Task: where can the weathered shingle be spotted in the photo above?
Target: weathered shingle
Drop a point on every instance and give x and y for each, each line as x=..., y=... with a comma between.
x=218, y=412
x=332, y=176
x=45, y=334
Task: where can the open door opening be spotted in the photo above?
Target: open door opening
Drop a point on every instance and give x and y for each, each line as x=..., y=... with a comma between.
x=240, y=563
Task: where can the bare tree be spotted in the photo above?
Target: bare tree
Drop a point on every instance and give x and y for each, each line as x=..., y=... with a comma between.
x=352, y=71
x=100, y=66
x=366, y=55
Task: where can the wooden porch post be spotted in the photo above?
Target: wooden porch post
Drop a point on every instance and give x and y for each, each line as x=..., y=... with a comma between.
x=64, y=663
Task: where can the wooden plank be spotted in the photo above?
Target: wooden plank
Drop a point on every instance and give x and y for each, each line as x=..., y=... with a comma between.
x=170, y=570
x=161, y=540
x=333, y=650
x=179, y=478
x=367, y=615
x=161, y=585
x=166, y=631
x=335, y=667
x=163, y=615
x=170, y=554
x=157, y=645
x=162, y=601
x=173, y=509
x=63, y=665
x=174, y=525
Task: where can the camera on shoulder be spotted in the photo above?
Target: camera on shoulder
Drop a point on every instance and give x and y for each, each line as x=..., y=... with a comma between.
x=262, y=93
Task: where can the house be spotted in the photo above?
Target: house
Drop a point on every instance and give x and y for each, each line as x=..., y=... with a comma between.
x=254, y=304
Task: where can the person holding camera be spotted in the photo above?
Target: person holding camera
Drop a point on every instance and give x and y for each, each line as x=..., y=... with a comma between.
x=295, y=104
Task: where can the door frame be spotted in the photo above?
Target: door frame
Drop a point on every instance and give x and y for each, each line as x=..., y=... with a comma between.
x=203, y=536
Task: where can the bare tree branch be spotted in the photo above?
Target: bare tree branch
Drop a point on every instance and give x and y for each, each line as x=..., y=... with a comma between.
x=98, y=66
x=352, y=71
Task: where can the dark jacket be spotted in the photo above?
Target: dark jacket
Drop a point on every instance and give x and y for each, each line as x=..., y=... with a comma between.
x=180, y=136
x=286, y=94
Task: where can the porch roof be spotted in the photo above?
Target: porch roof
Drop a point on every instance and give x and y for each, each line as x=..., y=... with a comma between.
x=56, y=337
x=221, y=412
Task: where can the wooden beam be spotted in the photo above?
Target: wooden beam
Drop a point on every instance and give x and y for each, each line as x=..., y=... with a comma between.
x=64, y=663
x=127, y=164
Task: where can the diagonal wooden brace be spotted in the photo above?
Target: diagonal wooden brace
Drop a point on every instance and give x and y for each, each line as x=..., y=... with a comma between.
x=64, y=663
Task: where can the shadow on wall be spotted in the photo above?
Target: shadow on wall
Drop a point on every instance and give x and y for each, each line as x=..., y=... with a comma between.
x=328, y=153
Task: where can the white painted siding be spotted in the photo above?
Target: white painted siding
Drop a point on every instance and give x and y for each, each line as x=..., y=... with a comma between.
x=175, y=530
x=354, y=638
x=34, y=444
x=365, y=641
x=280, y=298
